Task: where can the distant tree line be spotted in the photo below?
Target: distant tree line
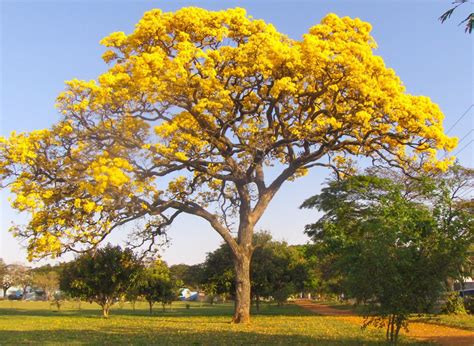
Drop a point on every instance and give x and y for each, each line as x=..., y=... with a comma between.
x=111, y=274
x=44, y=279
x=278, y=270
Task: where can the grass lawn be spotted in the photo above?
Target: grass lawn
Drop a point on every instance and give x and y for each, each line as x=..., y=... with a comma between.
x=337, y=305
x=457, y=321
x=38, y=323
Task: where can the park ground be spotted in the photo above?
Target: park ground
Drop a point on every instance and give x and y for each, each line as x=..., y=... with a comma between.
x=438, y=329
x=40, y=323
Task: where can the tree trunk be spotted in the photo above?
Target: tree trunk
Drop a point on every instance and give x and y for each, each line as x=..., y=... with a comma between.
x=150, y=303
x=105, y=310
x=257, y=302
x=387, y=334
x=397, y=331
x=105, y=303
x=392, y=329
x=242, y=289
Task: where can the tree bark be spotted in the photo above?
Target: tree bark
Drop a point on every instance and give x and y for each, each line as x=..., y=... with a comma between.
x=397, y=331
x=392, y=327
x=387, y=334
x=105, y=310
x=105, y=303
x=242, y=289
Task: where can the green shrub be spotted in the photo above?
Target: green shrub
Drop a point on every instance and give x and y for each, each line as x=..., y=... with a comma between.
x=469, y=304
x=454, y=305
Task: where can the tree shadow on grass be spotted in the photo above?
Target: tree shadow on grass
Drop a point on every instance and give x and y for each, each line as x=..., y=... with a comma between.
x=48, y=313
x=115, y=312
x=168, y=336
x=195, y=311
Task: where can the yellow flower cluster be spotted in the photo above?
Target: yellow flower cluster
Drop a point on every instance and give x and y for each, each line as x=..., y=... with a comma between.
x=106, y=172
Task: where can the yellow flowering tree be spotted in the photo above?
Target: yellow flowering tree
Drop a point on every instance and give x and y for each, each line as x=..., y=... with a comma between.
x=209, y=113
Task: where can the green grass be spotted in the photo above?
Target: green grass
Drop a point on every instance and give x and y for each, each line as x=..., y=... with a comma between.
x=342, y=305
x=457, y=321
x=336, y=304
x=38, y=323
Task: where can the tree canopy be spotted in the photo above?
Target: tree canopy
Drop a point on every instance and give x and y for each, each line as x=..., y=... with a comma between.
x=210, y=99
x=102, y=276
x=48, y=282
x=278, y=270
x=390, y=250
x=195, y=110
x=155, y=284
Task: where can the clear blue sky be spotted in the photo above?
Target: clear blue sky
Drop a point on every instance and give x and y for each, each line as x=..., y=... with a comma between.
x=45, y=43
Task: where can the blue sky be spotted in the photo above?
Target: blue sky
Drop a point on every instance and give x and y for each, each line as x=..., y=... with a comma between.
x=45, y=43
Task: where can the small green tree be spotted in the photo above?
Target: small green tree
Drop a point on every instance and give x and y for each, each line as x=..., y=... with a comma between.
x=392, y=251
x=6, y=283
x=133, y=293
x=282, y=293
x=102, y=276
x=168, y=292
x=48, y=282
x=3, y=268
x=155, y=284
x=3, y=273
x=24, y=278
x=454, y=304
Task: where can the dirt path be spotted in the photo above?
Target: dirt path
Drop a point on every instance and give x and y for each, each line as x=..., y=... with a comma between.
x=322, y=309
x=421, y=331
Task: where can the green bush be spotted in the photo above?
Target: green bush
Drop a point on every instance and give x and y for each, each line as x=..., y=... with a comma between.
x=454, y=305
x=469, y=304
x=282, y=294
